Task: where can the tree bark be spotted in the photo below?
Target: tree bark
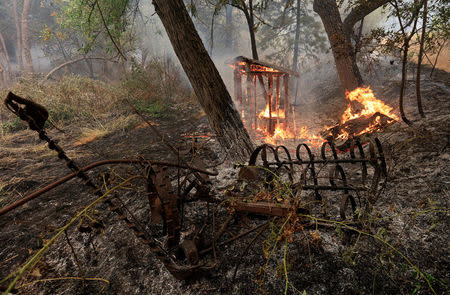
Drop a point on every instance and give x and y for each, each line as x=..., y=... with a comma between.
x=248, y=12
x=343, y=51
x=297, y=38
x=25, y=38
x=19, y=36
x=5, y=51
x=205, y=79
x=406, y=39
x=403, y=83
x=419, y=59
x=229, y=28
x=359, y=12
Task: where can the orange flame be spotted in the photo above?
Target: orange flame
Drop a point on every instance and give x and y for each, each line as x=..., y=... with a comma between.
x=371, y=105
x=260, y=68
x=279, y=113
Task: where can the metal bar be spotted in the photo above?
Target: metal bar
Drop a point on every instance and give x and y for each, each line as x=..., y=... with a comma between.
x=68, y=177
x=204, y=251
x=331, y=161
x=332, y=188
x=266, y=208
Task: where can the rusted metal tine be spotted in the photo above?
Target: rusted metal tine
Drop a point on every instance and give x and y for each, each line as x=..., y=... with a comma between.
x=266, y=208
x=238, y=236
x=68, y=177
x=309, y=176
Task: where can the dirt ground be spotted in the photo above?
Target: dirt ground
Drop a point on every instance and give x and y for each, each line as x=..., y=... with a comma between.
x=406, y=234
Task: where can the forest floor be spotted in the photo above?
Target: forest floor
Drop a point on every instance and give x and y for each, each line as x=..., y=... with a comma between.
x=405, y=237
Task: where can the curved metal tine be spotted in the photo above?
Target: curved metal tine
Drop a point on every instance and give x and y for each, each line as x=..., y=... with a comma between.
x=346, y=196
x=374, y=186
x=333, y=150
x=331, y=175
x=308, y=150
x=310, y=166
x=297, y=155
x=274, y=153
x=304, y=176
x=344, y=203
x=254, y=155
x=339, y=170
x=373, y=158
x=376, y=175
x=381, y=156
x=291, y=166
x=363, y=163
x=352, y=148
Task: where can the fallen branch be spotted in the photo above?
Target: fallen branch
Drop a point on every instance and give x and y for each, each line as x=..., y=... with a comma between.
x=74, y=61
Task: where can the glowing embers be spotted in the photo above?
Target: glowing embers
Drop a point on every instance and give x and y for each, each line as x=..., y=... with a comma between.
x=364, y=114
x=261, y=68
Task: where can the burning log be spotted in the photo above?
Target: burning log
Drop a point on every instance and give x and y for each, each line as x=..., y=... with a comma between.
x=358, y=126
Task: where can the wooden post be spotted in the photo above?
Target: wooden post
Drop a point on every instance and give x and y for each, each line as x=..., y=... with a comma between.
x=270, y=94
x=255, y=103
x=277, y=98
x=248, y=100
x=286, y=96
x=237, y=84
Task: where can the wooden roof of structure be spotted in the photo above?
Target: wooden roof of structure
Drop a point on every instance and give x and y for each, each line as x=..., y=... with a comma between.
x=277, y=69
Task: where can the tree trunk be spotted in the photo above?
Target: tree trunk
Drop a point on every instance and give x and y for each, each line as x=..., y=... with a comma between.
x=343, y=51
x=297, y=38
x=25, y=39
x=229, y=28
x=419, y=59
x=19, y=36
x=204, y=77
x=251, y=28
x=403, y=82
x=5, y=51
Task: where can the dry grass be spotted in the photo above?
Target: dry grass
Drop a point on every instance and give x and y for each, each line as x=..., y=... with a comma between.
x=95, y=108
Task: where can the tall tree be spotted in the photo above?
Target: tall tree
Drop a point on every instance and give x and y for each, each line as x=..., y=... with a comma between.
x=18, y=35
x=297, y=37
x=229, y=28
x=419, y=58
x=339, y=33
x=404, y=23
x=25, y=36
x=5, y=52
x=204, y=77
x=340, y=42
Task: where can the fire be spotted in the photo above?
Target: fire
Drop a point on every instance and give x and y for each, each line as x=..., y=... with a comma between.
x=282, y=133
x=260, y=68
x=371, y=108
x=241, y=66
x=279, y=113
x=371, y=105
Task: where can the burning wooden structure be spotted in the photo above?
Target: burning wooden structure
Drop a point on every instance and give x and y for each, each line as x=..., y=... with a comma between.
x=274, y=82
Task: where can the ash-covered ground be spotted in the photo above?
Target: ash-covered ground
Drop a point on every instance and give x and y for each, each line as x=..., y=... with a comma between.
x=404, y=236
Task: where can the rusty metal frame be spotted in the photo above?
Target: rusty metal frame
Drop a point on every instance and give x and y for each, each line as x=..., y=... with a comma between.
x=166, y=203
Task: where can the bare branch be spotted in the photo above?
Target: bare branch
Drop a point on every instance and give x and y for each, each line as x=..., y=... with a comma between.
x=72, y=62
x=109, y=33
